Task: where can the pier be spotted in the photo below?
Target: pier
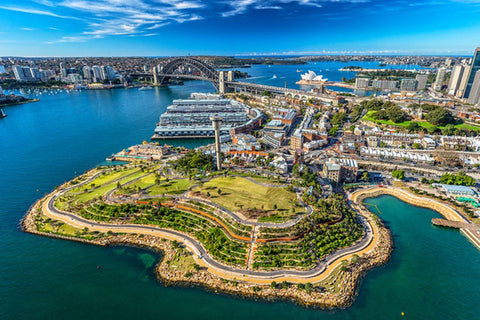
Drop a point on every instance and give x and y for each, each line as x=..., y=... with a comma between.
x=455, y=224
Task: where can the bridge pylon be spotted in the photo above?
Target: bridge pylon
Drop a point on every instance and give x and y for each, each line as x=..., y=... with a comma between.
x=221, y=82
x=155, y=76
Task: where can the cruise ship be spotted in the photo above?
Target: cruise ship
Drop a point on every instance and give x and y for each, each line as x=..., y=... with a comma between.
x=190, y=118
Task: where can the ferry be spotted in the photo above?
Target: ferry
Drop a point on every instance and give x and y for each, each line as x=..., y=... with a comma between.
x=2, y=114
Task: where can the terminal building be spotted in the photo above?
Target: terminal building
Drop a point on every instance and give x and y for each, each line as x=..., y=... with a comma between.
x=190, y=118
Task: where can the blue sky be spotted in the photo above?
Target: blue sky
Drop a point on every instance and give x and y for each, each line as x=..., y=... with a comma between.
x=227, y=27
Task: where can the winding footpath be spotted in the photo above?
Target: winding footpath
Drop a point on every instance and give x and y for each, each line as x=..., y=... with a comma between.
x=321, y=271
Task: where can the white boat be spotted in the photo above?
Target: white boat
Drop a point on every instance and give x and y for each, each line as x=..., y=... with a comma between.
x=145, y=88
x=274, y=76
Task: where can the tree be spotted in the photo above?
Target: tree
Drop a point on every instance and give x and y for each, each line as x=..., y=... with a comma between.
x=365, y=176
x=398, y=174
x=449, y=130
x=308, y=287
x=273, y=285
x=413, y=126
x=219, y=191
x=417, y=145
x=395, y=113
x=440, y=117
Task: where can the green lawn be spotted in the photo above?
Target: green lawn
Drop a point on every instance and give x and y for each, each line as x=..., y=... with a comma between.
x=176, y=186
x=89, y=195
x=238, y=193
x=423, y=124
x=144, y=182
x=106, y=178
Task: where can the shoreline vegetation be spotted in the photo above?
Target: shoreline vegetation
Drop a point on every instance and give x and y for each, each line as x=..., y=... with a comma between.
x=14, y=103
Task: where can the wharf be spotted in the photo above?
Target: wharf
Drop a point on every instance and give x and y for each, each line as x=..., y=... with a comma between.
x=455, y=224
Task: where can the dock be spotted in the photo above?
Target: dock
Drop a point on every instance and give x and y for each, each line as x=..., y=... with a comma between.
x=455, y=224
x=470, y=230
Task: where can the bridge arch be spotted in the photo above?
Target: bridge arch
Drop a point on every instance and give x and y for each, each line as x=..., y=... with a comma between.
x=206, y=70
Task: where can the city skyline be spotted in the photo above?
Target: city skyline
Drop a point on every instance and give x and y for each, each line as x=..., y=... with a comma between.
x=246, y=27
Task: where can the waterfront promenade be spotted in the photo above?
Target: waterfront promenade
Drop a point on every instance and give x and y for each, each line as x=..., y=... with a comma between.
x=447, y=211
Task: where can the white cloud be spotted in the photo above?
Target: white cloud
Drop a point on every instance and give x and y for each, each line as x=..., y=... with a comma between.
x=128, y=17
x=27, y=29
x=242, y=6
x=35, y=11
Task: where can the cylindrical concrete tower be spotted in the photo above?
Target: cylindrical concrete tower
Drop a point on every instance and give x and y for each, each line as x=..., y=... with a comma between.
x=216, y=123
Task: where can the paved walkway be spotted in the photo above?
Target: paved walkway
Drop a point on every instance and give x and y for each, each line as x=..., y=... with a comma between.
x=318, y=273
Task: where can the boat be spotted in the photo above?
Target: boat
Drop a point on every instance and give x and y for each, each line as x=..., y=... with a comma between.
x=2, y=114
x=298, y=70
x=274, y=76
x=145, y=88
x=111, y=158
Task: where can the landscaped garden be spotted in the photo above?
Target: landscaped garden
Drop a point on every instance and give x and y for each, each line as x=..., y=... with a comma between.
x=251, y=198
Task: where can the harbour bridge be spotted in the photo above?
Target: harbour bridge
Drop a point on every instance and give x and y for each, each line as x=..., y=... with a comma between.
x=190, y=68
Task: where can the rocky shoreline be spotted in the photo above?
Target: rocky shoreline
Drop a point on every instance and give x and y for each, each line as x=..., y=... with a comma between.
x=337, y=290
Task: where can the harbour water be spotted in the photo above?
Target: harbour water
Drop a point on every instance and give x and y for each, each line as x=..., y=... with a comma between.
x=433, y=274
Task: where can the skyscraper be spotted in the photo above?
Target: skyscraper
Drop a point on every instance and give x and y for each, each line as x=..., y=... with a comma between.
x=463, y=81
x=63, y=71
x=97, y=76
x=471, y=76
x=474, y=96
x=421, y=81
x=87, y=73
x=439, y=80
x=18, y=72
x=455, y=79
x=408, y=85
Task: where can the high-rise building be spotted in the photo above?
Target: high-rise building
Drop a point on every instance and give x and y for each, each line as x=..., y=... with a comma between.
x=2, y=94
x=471, y=75
x=362, y=83
x=439, y=79
x=385, y=84
x=110, y=73
x=97, y=75
x=422, y=80
x=107, y=73
x=18, y=72
x=463, y=82
x=28, y=74
x=46, y=75
x=408, y=85
x=455, y=79
x=474, y=96
x=74, y=78
x=87, y=73
x=35, y=73
x=63, y=71
x=448, y=62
